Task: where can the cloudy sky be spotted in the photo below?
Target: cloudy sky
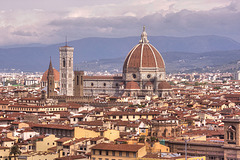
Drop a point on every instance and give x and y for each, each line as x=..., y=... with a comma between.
x=49, y=21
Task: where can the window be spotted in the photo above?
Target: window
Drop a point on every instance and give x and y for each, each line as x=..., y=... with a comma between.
x=113, y=153
x=77, y=80
x=104, y=84
x=107, y=153
x=134, y=155
x=120, y=154
x=116, y=84
x=70, y=62
x=134, y=76
x=63, y=62
x=100, y=152
x=99, y=158
x=91, y=84
x=93, y=152
x=127, y=154
x=149, y=75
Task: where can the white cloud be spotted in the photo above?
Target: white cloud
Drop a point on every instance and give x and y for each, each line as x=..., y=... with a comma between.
x=35, y=22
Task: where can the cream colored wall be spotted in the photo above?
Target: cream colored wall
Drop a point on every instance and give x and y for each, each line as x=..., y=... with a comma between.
x=47, y=143
x=8, y=144
x=4, y=153
x=85, y=133
x=42, y=156
x=192, y=158
x=111, y=134
x=110, y=157
x=157, y=147
x=23, y=125
x=142, y=152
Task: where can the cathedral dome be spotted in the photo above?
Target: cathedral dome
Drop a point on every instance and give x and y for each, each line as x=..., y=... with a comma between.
x=143, y=55
x=56, y=76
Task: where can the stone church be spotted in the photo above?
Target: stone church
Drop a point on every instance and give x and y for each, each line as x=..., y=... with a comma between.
x=143, y=74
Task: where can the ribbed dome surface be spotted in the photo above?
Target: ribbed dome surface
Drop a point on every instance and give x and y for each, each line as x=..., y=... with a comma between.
x=143, y=55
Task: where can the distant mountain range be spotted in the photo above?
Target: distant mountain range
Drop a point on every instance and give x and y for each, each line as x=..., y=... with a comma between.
x=100, y=54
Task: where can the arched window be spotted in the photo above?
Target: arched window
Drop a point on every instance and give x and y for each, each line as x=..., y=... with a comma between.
x=70, y=63
x=77, y=80
x=231, y=134
x=64, y=62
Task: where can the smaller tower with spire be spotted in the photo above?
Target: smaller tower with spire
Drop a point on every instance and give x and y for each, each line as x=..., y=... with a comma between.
x=50, y=81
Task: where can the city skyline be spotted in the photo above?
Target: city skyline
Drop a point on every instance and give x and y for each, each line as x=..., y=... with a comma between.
x=49, y=22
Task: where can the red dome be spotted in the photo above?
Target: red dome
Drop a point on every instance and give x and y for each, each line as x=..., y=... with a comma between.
x=143, y=55
x=56, y=76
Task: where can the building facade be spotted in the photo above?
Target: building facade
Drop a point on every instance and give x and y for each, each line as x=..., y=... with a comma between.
x=66, y=70
x=143, y=75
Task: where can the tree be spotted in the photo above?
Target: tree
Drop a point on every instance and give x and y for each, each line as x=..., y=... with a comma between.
x=15, y=151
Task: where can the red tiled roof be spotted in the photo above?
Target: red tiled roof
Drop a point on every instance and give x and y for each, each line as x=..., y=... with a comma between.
x=132, y=85
x=117, y=147
x=55, y=126
x=164, y=85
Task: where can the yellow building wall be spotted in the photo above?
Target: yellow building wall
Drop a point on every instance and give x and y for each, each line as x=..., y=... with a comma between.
x=4, y=153
x=85, y=133
x=156, y=148
x=142, y=133
x=192, y=158
x=48, y=142
x=42, y=156
x=111, y=134
x=142, y=152
x=23, y=125
x=183, y=158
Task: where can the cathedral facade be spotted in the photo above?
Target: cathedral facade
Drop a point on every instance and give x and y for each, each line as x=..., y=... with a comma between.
x=143, y=74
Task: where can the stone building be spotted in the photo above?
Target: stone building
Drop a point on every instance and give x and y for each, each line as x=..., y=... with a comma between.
x=218, y=150
x=56, y=79
x=66, y=70
x=143, y=74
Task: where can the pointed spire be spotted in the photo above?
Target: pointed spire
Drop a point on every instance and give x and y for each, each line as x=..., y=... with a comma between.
x=144, y=36
x=50, y=68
